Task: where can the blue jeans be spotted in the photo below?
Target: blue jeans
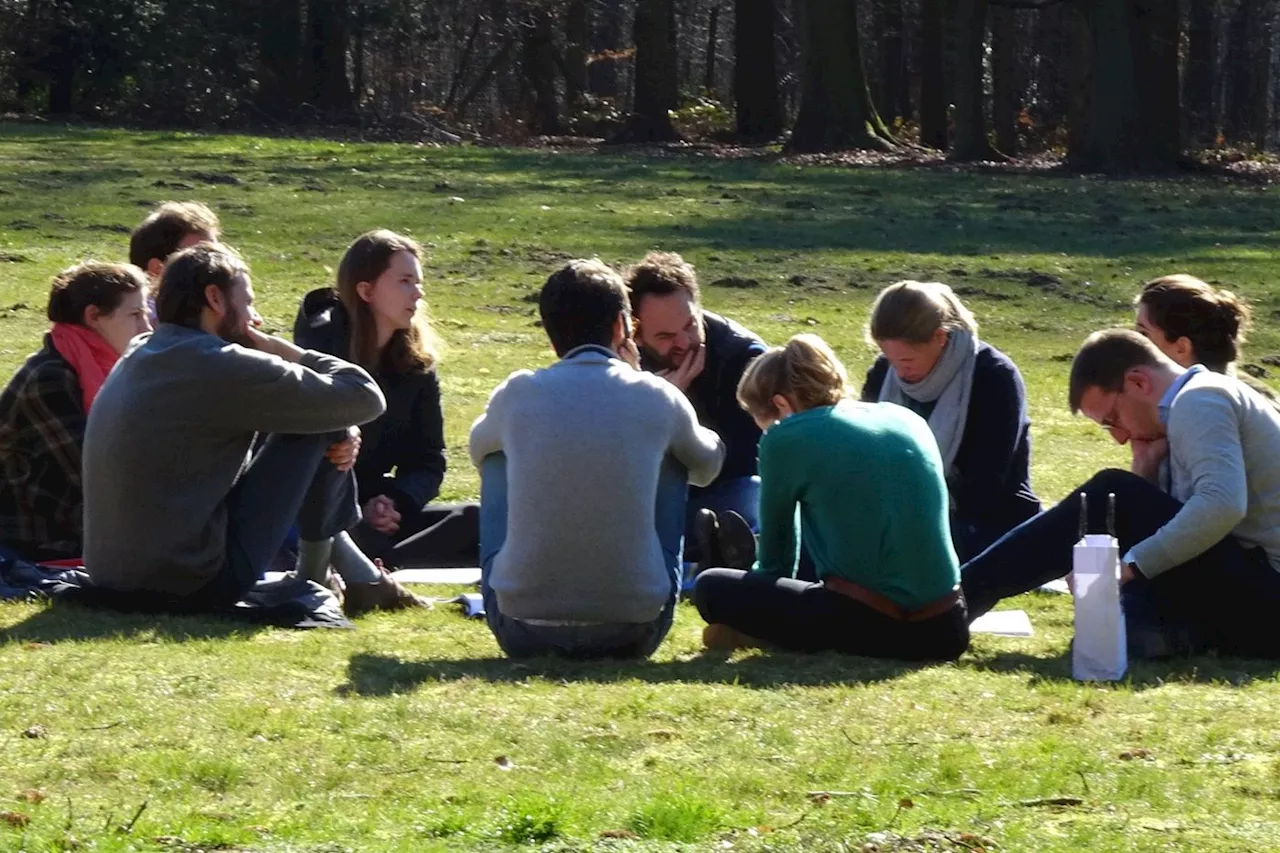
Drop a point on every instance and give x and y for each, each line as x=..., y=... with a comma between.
x=1224, y=598
x=606, y=640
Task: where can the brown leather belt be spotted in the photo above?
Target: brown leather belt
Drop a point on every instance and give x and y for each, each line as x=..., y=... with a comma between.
x=887, y=606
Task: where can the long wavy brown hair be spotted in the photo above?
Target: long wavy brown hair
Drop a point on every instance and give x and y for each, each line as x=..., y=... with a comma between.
x=412, y=350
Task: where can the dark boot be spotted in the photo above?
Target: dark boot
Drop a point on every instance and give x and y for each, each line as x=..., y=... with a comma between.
x=737, y=542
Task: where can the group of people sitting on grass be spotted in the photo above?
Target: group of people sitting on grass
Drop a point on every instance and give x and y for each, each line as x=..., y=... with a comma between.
x=666, y=448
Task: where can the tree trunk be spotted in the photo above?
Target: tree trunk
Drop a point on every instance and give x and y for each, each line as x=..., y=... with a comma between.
x=1262, y=45
x=933, y=74
x=279, y=54
x=1155, y=33
x=327, y=22
x=835, y=105
x=1006, y=105
x=755, y=70
x=577, y=39
x=606, y=39
x=713, y=37
x=1237, y=118
x=893, y=101
x=538, y=61
x=971, y=141
x=1129, y=121
x=1199, y=73
x=358, y=54
x=656, y=89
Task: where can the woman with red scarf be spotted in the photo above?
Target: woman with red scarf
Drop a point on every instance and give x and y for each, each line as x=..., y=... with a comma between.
x=96, y=310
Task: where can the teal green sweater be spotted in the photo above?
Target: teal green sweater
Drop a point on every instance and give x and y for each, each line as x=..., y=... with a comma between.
x=868, y=479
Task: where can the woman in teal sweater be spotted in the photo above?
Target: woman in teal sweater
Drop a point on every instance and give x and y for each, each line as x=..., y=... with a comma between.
x=869, y=484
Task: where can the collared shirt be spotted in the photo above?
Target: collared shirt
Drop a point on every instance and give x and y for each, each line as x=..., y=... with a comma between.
x=1166, y=402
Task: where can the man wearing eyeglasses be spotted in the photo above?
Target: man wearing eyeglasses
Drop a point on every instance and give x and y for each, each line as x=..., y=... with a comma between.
x=1201, y=551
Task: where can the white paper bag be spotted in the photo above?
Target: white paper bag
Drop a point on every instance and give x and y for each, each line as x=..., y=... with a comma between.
x=1099, y=651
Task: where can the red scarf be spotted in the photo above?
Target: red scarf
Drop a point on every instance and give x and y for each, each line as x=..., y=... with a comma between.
x=89, y=355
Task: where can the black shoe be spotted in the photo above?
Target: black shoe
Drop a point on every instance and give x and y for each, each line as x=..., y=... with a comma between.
x=737, y=542
x=706, y=535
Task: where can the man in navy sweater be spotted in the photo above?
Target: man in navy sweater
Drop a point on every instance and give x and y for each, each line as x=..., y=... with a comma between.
x=704, y=355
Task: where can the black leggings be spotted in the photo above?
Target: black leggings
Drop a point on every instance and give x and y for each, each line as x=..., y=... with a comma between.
x=808, y=617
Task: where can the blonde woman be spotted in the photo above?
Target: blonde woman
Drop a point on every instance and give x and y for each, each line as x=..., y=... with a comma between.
x=867, y=480
x=973, y=398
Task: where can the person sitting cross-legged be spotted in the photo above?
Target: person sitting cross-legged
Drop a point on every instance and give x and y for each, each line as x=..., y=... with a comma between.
x=1202, y=559
x=702, y=354
x=375, y=316
x=585, y=467
x=96, y=310
x=973, y=398
x=182, y=513
x=868, y=481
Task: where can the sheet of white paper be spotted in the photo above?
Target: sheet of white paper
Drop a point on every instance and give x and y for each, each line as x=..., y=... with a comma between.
x=1002, y=623
x=1058, y=586
x=454, y=576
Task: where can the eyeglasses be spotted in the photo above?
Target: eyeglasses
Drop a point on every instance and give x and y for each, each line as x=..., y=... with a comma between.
x=1112, y=419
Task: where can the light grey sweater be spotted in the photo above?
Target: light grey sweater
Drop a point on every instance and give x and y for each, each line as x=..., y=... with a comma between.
x=170, y=433
x=1224, y=465
x=584, y=441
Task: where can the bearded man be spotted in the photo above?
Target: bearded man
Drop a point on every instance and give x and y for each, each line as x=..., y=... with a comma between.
x=184, y=507
x=704, y=355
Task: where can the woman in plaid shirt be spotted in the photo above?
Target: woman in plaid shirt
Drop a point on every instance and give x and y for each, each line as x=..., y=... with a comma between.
x=96, y=310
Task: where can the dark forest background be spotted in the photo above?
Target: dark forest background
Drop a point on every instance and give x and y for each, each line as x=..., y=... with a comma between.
x=1115, y=85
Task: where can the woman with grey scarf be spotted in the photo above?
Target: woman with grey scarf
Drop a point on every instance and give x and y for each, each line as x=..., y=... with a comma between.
x=973, y=398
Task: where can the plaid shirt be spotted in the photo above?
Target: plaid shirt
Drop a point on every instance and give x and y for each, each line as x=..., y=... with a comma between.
x=42, y=421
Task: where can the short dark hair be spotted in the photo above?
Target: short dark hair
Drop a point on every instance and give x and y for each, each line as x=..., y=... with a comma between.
x=1105, y=357
x=165, y=227
x=580, y=303
x=1213, y=320
x=661, y=274
x=102, y=286
x=180, y=297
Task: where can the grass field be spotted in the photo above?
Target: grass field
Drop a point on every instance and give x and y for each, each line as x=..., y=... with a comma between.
x=411, y=733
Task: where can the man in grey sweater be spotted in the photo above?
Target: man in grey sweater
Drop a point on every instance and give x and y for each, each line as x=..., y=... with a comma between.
x=585, y=467
x=180, y=513
x=1201, y=552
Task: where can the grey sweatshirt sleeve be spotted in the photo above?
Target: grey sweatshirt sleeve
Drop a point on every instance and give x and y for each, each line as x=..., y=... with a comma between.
x=1204, y=438
x=320, y=394
x=698, y=448
x=486, y=432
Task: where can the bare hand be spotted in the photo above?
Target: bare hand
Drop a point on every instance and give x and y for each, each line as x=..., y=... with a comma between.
x=629, y=352
x=1127, y=573
x=1147, y=456
x=381, y=514
x=272, y=345
x=343, y=454
x=694, y=363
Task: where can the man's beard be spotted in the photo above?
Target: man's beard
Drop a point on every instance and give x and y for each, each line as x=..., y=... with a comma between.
x=231, y=328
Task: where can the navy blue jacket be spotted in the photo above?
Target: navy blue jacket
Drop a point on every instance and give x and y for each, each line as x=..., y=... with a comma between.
x=714, y=393
x=991, y=488
x=409, y=437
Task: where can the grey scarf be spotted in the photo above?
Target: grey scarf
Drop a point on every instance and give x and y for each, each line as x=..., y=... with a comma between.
x=948, y=385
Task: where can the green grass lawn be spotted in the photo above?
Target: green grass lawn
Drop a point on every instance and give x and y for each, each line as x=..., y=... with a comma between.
x=411, y=733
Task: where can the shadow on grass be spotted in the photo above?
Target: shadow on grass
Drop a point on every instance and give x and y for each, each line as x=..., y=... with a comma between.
x=370, y=674
x=65, y=621
x=1142, y=675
